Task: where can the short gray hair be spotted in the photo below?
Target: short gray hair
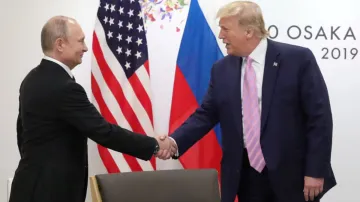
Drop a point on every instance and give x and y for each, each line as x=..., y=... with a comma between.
x=248, y=13
x=56, y=27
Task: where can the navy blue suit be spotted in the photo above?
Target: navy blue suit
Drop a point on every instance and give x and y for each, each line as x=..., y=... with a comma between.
x=296, y=121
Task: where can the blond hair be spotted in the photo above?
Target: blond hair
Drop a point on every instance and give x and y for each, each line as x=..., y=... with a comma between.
x=249, y=14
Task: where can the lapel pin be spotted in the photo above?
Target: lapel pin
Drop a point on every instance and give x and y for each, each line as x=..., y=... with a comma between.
x=275, y=64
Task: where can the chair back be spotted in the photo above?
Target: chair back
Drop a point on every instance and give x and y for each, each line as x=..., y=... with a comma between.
x=157, y=186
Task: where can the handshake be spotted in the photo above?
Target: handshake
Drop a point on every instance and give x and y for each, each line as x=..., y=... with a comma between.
x=168, y=147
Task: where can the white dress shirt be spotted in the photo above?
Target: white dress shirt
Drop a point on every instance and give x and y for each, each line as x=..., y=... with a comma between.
x=258, y=57
x=66, y=68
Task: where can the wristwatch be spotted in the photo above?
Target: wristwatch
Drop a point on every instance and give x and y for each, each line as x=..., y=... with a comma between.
x=157, y=148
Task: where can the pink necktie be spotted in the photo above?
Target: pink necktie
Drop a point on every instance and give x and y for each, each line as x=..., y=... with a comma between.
x=251, y=118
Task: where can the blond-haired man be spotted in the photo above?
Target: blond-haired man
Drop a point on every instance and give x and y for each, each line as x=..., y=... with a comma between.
x=273, y=107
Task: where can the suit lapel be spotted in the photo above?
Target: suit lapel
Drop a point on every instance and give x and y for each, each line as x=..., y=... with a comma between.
x=235, y=79
x=272, y=65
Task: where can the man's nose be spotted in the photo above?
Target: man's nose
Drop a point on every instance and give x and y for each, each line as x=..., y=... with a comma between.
x=221, y=36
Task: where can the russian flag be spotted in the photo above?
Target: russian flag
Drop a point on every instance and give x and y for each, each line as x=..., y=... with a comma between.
x=198, y=52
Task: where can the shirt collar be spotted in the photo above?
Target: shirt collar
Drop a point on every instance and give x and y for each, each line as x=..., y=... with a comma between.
x=66, y=68
x=258, y=54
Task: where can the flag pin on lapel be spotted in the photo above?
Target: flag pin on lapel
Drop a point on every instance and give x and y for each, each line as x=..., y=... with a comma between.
x=275, y=64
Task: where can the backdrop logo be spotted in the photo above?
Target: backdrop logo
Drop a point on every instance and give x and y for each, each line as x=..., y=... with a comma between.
x=165, y=11
x=332, y=33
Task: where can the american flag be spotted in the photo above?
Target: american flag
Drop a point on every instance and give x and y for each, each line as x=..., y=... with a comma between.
x=120, y=77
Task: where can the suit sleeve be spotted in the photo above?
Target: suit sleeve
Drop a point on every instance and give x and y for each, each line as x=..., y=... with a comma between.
x=19, y=127
x=76, y=109
x=319, y=124
x=199, y=123
x=19, y=130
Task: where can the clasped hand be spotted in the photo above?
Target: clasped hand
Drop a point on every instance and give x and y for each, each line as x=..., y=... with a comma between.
x=168, y=147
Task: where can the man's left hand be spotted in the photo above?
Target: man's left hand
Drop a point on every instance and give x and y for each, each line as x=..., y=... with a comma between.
x=312, y=187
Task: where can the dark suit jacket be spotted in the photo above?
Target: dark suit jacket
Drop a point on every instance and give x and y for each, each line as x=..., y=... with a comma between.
x=55, y=120
x=296, y=121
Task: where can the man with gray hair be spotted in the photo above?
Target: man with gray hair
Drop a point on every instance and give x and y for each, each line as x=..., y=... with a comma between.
x=273, y=107
x=56, y=118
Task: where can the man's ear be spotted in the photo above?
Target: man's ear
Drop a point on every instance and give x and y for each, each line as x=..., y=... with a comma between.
x=249, y=33
x=59, y=44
